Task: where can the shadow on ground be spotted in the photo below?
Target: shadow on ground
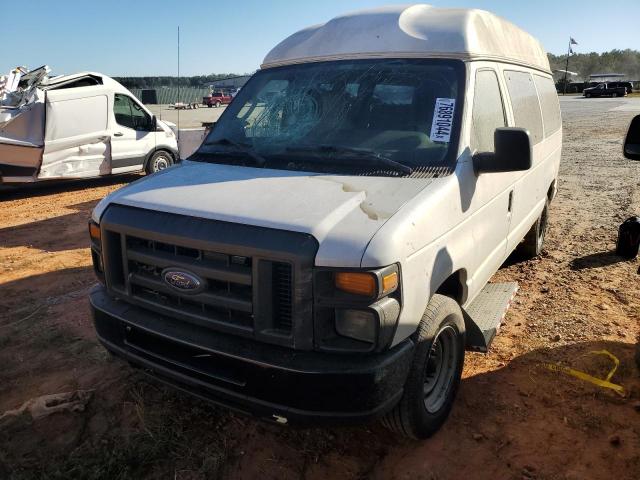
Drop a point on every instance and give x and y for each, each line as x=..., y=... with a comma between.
x=595, y=260
x=525, y=415
x=10, y=192
x=20, y=298
x=53, y=234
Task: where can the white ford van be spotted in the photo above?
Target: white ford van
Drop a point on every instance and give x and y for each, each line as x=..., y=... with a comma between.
x=325, y=254
x=78, y=126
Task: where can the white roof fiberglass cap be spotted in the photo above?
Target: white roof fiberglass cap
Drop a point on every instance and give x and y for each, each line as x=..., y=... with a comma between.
x=411, y=31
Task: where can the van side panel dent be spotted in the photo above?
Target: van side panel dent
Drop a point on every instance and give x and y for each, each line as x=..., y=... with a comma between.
x=88, y=159
x=77, y=141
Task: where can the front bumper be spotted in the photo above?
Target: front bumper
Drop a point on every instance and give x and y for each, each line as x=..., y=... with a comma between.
x=271, y=382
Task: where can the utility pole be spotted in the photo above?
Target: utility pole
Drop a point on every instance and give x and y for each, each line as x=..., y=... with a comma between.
x=566, y=68
x=178, y=82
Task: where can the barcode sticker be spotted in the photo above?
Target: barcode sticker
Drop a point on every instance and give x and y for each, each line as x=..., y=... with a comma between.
x=442, y=119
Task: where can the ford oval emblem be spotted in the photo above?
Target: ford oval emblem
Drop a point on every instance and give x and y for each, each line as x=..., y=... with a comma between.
x=182, y=280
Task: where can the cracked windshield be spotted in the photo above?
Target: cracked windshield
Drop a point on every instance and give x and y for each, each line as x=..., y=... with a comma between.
x=382, y=117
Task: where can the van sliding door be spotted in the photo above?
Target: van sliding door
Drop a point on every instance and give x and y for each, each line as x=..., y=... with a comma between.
x=76, y=140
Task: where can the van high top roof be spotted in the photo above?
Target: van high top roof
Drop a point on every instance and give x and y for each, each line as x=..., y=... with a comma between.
x=414, y=31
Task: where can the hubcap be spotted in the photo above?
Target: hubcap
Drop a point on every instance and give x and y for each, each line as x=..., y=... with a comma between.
x=160, y=163
x=440, y=369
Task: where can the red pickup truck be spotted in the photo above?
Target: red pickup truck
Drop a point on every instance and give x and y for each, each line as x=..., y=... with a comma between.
x=216, y=99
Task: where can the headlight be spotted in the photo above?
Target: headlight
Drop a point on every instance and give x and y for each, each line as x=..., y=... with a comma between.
x=357, y=324
x=356, y=310
x=374, y=324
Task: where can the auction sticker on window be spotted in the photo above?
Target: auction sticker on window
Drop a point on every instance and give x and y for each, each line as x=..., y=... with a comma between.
x=442, y=119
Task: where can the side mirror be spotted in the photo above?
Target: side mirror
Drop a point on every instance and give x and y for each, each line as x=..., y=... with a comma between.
x=631, y=147
x=153, y=126
x=513, y=152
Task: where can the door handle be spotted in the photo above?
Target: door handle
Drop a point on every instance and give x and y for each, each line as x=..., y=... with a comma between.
x=118, y=134
x=510, y=201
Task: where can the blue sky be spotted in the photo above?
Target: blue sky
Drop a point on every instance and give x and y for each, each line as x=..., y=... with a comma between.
x=139, y=37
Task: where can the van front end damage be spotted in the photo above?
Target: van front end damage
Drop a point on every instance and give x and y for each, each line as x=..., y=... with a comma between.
x=55, y=127
x=22, y=124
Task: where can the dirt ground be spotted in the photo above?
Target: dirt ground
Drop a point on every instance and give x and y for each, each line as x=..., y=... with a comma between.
x=513, y=419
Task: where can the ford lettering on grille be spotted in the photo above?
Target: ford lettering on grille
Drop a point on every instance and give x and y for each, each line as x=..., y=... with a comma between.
x=182, y=281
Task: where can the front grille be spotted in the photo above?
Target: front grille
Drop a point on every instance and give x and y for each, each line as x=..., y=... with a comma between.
x=245, y=290
x=227, y=297
x=282, y=281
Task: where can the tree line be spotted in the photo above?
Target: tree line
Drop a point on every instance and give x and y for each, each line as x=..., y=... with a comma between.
x=584, y=64
x=168, y=81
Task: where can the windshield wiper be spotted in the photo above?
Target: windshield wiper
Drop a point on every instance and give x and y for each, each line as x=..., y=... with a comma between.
x=364, y=154
x=241, y=147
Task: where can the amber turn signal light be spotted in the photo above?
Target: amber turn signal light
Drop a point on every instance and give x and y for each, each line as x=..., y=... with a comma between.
x=357, y=283
x=389, y=282
x=94, y=232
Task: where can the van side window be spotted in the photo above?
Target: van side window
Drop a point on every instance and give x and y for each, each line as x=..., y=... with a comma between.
x=488, y=112
x=524, y=99
x=549, y=103
x=129, y=114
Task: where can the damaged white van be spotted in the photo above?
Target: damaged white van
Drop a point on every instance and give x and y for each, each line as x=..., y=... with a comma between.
x=325, y=254
x=76, y=126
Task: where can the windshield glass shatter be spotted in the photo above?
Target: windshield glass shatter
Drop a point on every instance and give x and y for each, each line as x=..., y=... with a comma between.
x=290, y=115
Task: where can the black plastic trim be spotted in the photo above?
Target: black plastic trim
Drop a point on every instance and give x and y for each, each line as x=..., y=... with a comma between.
x=263, y=245
x=17, y=171
x=257, y=378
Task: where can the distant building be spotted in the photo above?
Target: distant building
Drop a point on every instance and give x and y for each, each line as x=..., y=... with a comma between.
x=232, y=83
x=606, y=77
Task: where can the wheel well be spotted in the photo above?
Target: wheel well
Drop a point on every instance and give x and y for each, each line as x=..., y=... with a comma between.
x=552, y=191
x=454, y=286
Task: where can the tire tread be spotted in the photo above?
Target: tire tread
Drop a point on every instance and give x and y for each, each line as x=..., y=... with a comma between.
x=399, y=419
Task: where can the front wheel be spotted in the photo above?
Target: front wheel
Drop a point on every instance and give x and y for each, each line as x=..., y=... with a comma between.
x=435, y=373
x=615, y=94
x=159, y=161
x=217, y=104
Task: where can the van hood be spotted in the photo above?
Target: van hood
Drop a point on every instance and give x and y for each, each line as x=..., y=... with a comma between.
x=341, y=212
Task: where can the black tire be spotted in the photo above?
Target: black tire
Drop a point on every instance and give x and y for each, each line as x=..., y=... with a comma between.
x=217, y=104
x=159, y=161
x=588, y=95
x=435, y=373
x=533, y=242
x=209, y=105
x=615, y=94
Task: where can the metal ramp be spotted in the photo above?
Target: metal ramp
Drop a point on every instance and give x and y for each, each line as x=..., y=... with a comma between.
x=485, y=314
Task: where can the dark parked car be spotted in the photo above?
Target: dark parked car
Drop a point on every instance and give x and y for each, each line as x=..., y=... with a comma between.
x=605, y=90
x=627, y=85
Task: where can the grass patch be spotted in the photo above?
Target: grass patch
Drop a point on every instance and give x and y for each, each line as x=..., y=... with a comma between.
x=170, y=433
